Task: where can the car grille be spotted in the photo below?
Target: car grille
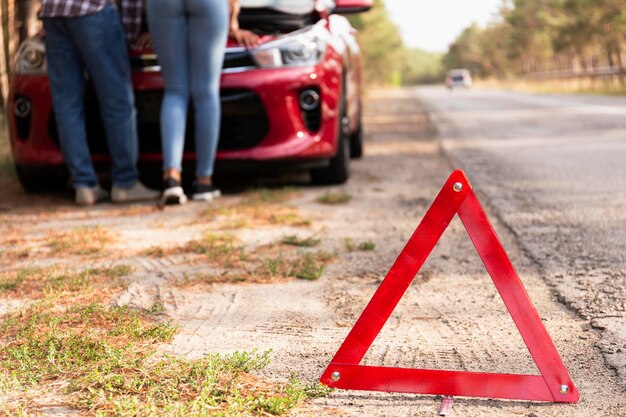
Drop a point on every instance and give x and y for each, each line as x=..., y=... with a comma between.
x=232, y=59
x=244, y=123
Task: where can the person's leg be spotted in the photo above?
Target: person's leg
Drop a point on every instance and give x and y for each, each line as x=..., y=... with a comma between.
x=208, y=30
x=168, y=27
x=67, y=84
x=100, y=39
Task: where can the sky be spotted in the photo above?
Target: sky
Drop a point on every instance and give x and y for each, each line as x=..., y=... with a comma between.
x=434, y=24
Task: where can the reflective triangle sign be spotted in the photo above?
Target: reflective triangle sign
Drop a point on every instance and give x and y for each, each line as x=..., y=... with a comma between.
x=456, y=197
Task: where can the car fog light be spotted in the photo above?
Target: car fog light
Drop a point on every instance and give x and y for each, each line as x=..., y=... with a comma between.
x=309, y=100
x=22, y=107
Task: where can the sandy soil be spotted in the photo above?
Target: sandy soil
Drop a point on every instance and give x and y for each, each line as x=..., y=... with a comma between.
x=450, y=318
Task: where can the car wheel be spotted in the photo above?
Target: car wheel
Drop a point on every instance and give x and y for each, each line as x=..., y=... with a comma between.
x=338, y=171
x=42, y=179
x=356, y=143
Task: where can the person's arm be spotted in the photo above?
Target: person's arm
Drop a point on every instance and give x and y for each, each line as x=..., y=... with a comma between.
x=235, y=8
x=243, y=37
x=130, y=14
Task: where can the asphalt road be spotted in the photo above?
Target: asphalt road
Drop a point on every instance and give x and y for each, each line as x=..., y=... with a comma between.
x=553, y=169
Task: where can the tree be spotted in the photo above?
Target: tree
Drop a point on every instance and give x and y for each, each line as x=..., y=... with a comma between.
x=381, y=45
x=18, y=21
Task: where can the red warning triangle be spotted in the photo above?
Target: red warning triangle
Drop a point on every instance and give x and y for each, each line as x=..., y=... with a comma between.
x=456, y=197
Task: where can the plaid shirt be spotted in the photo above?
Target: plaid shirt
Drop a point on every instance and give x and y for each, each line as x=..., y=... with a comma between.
x=130, y=11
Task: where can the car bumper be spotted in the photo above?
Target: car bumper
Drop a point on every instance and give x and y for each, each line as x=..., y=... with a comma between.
x=262, y=119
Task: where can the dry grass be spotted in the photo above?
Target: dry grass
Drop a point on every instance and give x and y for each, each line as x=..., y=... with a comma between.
x=583, y=85
x=80, y=241
x=259, y=208
x=265, y=264
x=35, y=283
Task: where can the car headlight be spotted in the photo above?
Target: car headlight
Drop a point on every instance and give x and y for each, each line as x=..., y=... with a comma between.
x=31, y=58
x=301, y=48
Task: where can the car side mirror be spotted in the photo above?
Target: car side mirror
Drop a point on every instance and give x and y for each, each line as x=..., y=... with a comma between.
x=352, y=6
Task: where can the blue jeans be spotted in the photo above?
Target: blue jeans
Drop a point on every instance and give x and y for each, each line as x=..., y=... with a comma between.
x=94, y=43
x=189, y=37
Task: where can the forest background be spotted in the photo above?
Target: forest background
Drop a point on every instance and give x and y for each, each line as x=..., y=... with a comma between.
x=528, y=40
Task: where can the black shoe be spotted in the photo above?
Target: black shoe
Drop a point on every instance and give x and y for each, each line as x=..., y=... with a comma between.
x=204, y=192
x=172, y=193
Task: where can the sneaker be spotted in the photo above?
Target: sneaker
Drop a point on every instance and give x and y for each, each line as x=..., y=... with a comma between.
x=205, y=192
x=137, y=192
x=172, y=193
x=88, y=196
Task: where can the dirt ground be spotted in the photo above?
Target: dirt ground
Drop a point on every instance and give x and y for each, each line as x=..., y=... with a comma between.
x=450, y=318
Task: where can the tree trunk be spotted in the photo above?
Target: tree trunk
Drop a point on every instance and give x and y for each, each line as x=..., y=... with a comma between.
x=18, y=21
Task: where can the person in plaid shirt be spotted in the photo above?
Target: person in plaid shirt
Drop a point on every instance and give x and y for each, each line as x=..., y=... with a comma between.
x=92, y=36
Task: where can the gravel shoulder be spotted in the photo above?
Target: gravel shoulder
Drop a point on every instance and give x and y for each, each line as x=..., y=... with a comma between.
x=450, y=318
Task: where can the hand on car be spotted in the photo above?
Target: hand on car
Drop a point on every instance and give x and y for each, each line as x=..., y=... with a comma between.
x=245, y=38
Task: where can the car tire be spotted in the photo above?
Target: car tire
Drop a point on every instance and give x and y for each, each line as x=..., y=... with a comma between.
x=338, y=171
x=356, y=143
x=42, y=179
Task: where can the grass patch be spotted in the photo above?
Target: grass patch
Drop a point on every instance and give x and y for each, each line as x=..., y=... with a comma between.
x=295, y=240
x=332, y=198
x=267, y=264
x=81, y=241
x=102, y=361
x=305, y=265
x=259, y=208
x=269, y=196
x=352, y=246
x=37, y=283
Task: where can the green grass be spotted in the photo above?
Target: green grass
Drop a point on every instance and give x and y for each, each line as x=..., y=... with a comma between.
x=295, y=240
x=305, y=265
x=367, y=245
x=332, y=198
x=103, y=361
x=34, y=282
x=221, y=249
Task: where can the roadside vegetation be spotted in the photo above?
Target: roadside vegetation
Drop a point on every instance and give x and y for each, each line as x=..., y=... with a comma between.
x=258, y=208
x=230, y=261
x=70, y=344
x=549, y=46
x=543, y=45
x=334, y=198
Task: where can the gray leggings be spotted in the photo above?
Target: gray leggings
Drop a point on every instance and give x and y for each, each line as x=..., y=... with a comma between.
x=189, y=37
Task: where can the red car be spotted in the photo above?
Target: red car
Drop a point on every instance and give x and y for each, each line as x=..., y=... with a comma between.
x=292, y=102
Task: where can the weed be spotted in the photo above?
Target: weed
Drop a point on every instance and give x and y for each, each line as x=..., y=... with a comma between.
x=368, y=245
x=306, y=265
x=334, y=198
x=221, y=249
x=294, y=240
x=154, y=252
